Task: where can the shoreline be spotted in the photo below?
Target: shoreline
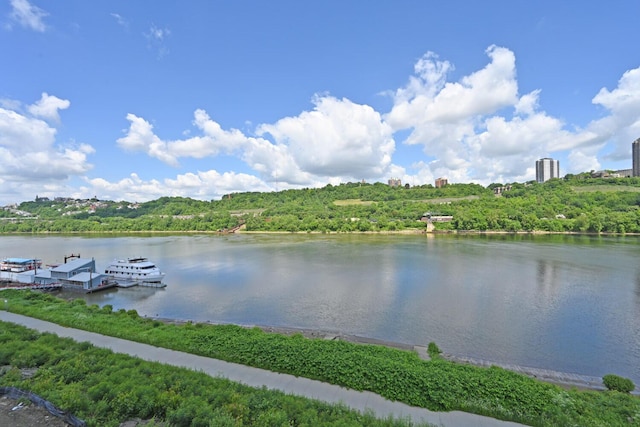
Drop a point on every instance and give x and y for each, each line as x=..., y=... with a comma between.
x=562, y=379
x=565, y=380
x=416, y=231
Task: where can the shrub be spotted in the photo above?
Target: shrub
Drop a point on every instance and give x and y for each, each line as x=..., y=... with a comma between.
x=614, y=382
x=433, y=350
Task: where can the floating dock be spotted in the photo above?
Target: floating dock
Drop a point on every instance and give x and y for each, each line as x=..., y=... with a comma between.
x=132, y=283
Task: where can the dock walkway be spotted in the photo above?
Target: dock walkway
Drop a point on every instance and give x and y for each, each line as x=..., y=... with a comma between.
x=361, y=401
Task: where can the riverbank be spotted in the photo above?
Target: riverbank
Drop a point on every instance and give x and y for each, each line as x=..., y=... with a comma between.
x=439, y=385
x=391, y=411
x=565, y=380
x=406, y=231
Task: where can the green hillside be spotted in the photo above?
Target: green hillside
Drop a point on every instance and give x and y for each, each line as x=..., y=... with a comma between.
x=573, y=204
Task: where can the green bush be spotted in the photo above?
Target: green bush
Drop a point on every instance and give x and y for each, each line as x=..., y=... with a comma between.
x=433, y=350
x=621, y=384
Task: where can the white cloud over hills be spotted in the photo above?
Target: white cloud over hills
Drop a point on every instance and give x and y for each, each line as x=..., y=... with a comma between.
x=31, y=157
x=476, y=129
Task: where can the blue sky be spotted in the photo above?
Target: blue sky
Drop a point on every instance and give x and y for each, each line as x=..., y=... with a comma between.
x=137, y=100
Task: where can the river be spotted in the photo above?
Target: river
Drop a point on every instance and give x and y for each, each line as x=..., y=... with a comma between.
x=565, y=303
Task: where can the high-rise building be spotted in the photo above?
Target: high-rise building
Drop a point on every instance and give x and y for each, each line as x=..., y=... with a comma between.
x=635, y=149
x=546, y=169
x=441, y=182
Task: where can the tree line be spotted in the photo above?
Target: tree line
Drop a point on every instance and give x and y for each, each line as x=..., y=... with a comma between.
x=576, y=203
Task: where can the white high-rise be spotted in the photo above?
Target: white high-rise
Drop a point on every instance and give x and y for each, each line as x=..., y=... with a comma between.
x=546, y=169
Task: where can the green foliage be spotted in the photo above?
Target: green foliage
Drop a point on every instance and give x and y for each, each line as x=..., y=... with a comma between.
x=78, y=302
x=395, y=374
x=577, y=203
x=106, y=389
x=433, y=350
x=621, y=384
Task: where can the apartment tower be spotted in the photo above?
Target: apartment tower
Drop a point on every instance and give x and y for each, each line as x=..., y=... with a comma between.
x=546, y=169
x=635, y=149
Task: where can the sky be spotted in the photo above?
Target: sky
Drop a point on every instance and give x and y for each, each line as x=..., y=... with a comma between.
x=136, y=100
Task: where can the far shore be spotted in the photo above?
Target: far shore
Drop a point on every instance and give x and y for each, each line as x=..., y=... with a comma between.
x=407, y=231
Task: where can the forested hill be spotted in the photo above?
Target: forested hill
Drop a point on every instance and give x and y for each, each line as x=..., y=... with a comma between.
x=574, y=203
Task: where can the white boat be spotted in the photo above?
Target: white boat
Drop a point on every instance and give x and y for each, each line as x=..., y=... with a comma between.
x=137, y=269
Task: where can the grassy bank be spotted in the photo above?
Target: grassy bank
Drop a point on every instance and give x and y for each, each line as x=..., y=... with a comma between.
x=106, y=389
x=398, y=375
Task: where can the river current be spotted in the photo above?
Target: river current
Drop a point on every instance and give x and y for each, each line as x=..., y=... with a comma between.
x=565, y=303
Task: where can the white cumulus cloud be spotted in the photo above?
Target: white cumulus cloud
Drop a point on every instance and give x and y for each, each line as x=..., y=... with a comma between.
x=205, y=185
x=621, y=125
x=338, y=139
x=32, y=158
x=480, y=129
x=47, y=107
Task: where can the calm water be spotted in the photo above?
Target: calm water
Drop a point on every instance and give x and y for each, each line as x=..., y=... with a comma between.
x=565, y=303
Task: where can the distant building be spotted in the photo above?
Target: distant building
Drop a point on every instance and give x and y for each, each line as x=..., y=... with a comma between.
x=441, y=182
x=622, y=173
x=395, y=182
x=546, y=169
x=635, y=148
x=502, y=189
x=428, y=217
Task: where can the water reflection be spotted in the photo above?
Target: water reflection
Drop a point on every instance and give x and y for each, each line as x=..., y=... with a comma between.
x=556, y=302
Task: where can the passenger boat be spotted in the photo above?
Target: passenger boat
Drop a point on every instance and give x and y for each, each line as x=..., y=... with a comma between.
x=135, y=270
